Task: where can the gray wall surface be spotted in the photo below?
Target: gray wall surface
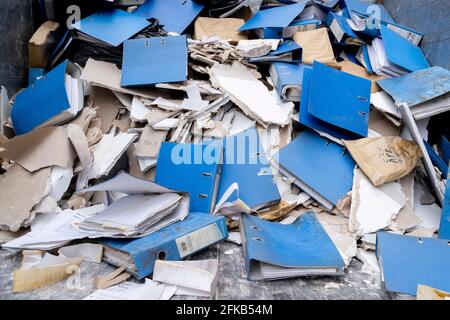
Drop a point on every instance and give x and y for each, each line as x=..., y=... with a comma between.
x=432, y=18
x=15, y=30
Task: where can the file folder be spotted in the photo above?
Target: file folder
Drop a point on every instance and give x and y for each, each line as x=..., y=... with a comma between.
x=403, y=53
x=340, y=99
x=418, y=87
x=175, y=242
x=342, y=31
x=288, y=51
x=111, y=27
x=312, y=122
x=274, y=17
x=191, y=168
x=154, y=60
x=358, y=10
x=408, y=261
x=173, y=15
x=361, y=11
x=50, y=100
x=288, y=79
x=321, y=168
x=245, y=163
x=444, y=228
x=276, y=251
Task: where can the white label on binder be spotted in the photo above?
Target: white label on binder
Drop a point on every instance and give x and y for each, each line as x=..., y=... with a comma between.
x=197, y=240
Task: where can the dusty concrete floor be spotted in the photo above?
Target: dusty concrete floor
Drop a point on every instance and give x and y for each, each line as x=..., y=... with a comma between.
x=233, y=284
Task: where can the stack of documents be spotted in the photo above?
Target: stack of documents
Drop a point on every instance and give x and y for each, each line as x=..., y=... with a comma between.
x=426, y=92
x=144, y=208
x=393, y=55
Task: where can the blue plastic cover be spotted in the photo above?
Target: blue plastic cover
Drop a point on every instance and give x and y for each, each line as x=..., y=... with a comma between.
x=274, y=17
x=340, y=99
x=245, y=163
x=111, y=26
x=173, y=15
x=144, y=251
x=324, y=166
x=409, y=261
x=305, y=243
x=418, y=87
x=403, y=53
x=312, y=122
x=191, y=168
x=44, y=99
x=154, y=60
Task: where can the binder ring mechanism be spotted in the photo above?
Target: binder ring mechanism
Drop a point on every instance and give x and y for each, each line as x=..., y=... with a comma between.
x=162, y=255
x=257, y=239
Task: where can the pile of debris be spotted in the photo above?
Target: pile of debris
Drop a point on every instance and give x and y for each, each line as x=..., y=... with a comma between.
x=298, y=130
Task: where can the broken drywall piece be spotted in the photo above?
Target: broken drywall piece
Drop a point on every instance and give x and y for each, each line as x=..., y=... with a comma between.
x=32, y=150
x=430, y=215
x=88, y=251
x=139, y=110
x=248, y=93
x=107, y=107
x=20, y=191
x=406, y=218
x=191, y=277
x=235, y=237
x=48, y=205
x=384, y=103
x=106, y=154
x=422, y=126
x=60, y=179
x=370, y=267
x=372, y=208
x=336, y=227
x=384, y=159
x=81, y=145
x=150, y=143
x=167, y=124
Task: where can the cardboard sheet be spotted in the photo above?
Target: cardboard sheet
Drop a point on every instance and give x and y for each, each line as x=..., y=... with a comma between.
x=316, y=46
x=32, y=150
x=20, y=191
x=384, y=159
x=224, y=28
